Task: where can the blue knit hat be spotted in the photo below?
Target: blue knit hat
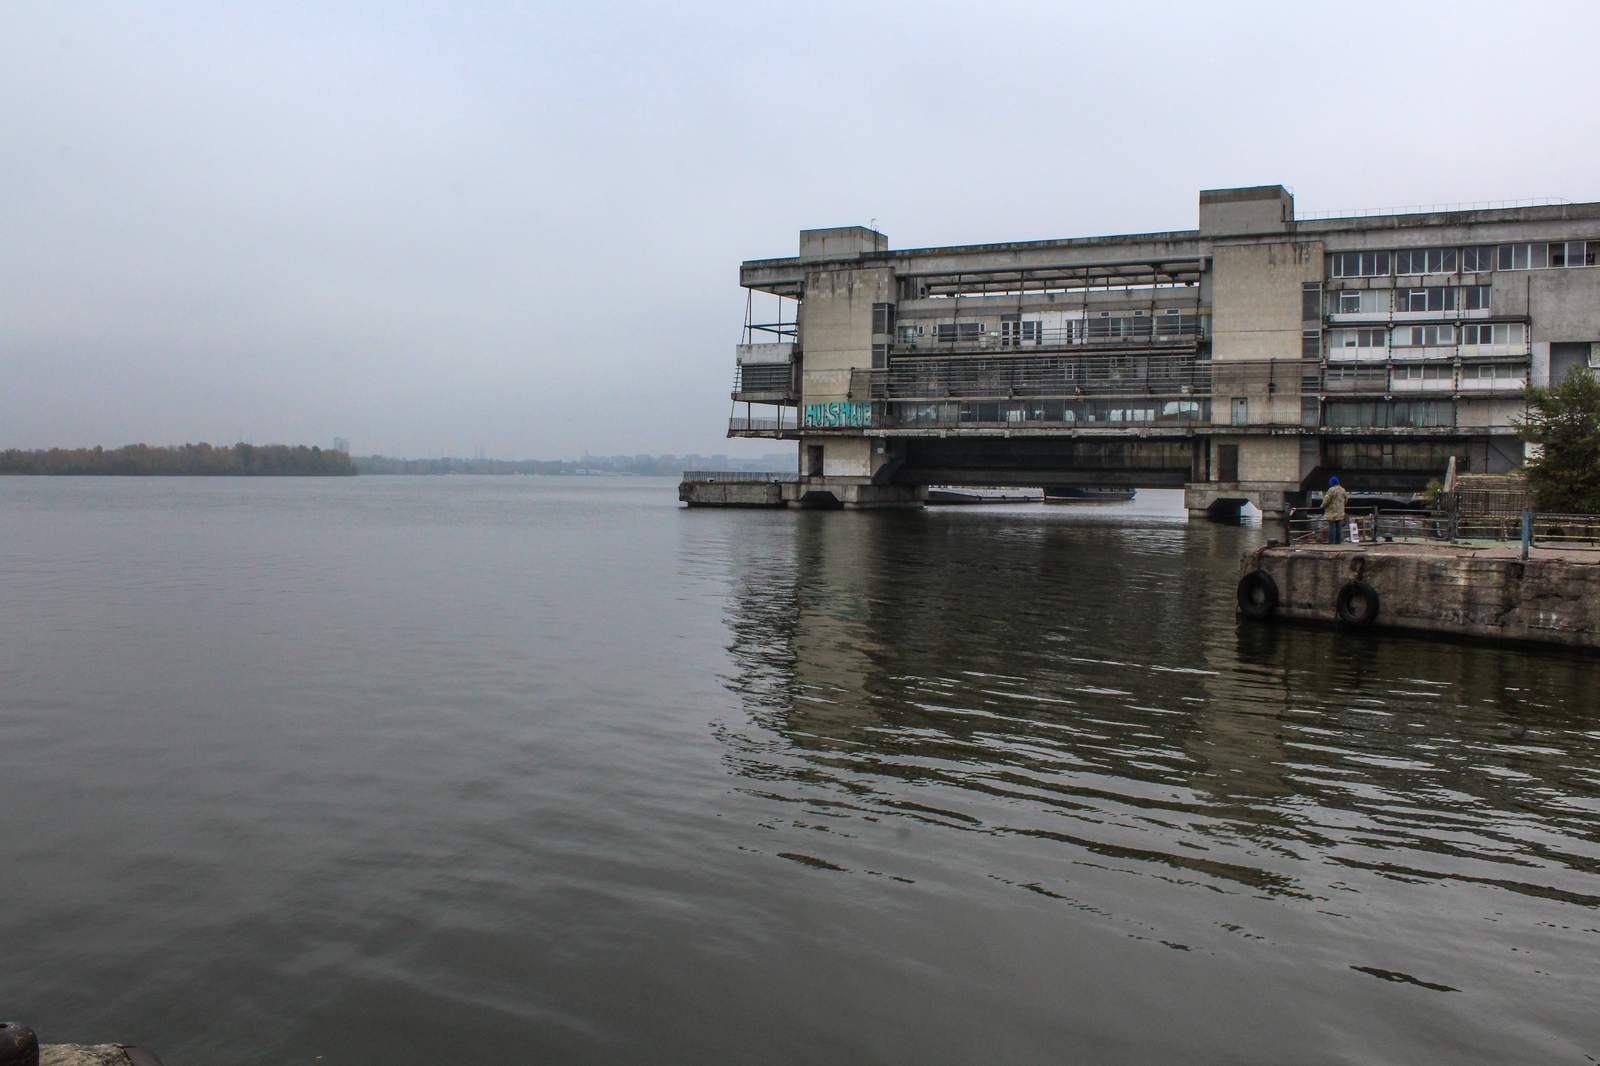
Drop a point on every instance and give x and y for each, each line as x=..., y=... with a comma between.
x=1332, y=481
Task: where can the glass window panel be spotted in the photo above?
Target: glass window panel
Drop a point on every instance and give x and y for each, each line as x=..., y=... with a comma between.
x=1540, y=254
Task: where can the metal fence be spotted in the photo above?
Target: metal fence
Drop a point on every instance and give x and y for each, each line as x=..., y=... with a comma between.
x=1120, y=329
x=1530, y=529
x=760, y=477
x=753, y=424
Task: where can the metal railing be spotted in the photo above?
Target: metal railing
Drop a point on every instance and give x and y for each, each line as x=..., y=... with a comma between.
x=1042, y=413
x=1533, y=529
x=1430, y=209
x=1144, y=329
x=753, y=424
x=1066, y=377
x=764, y=378
x=746, y=476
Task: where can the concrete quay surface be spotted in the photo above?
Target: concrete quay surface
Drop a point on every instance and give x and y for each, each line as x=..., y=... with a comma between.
x=1491, y=592
x=95, y=1055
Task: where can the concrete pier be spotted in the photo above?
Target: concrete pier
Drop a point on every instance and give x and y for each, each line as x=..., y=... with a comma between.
x=95, y=1055
x=821, y=493
x=1552, y=597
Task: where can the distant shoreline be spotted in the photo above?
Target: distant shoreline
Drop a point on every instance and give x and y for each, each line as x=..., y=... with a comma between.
x=286, y=460
x=184, y=460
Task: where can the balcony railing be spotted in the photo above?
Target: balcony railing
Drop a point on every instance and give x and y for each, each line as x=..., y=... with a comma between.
x=764, y=425
x=739, y=476
x=1069, y=378
x=767, y=379
x=1126, y=413
x=971, y=336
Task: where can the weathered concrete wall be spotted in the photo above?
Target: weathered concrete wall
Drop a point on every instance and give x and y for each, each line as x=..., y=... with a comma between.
x=95, y=1055
x=1444, y=590
x=841, y=241
x=836, y=328
x=1257, y=297
x=1564, y=303
x=731, y=493
x=1256, y=209
x=849, y=457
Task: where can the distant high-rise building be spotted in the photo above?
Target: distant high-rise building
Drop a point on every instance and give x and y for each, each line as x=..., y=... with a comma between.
x=341, y=444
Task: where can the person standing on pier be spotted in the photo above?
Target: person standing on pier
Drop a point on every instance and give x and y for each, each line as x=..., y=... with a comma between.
x=1333, y=510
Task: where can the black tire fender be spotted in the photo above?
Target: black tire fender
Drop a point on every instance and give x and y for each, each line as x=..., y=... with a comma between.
x=1357, y=604
x=1258, y=595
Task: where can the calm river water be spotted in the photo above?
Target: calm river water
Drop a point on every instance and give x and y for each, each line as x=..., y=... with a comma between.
x=480, y=770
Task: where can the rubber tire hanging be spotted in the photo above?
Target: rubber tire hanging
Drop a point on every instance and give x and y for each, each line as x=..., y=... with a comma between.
x=1357, y=604
x=1258, y=595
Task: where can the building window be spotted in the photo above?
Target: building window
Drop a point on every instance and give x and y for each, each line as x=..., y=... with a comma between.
x=1372, y=377
x=1415, y=414
x=883, y=318
x=1425, y=261
x=1494, y=372
x=1356, y=338
x=1477, y=258
x=1359, y=264
x=1522, y=256
x=958, y=331
x=1015, y=332
x=1241, y=411
x=1573, y=253
x=1434, y=298
x=1421, y=372
x=1310, y=301
x=1349, y=303
x=1494, y=333
x=1424, y=336
x=1311, y=344
x=1476, y=297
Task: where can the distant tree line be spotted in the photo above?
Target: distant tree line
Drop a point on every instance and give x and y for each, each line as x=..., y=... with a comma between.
x=649, y=465
x=266, y=460
x=384, y=464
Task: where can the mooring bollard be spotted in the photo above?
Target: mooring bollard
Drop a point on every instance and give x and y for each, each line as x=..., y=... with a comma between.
x=18, y=1045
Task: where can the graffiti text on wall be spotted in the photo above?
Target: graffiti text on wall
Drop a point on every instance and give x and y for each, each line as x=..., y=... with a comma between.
x=828, y=415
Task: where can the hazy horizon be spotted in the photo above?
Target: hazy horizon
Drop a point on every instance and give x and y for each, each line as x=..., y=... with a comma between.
x=517, y=228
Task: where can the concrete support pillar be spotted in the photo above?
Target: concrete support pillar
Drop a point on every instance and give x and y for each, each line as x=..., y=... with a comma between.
x=853, y=494
x=1221, y=501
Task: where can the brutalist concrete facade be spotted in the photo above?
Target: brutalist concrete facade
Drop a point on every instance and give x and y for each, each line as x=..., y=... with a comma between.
x=1244, y=360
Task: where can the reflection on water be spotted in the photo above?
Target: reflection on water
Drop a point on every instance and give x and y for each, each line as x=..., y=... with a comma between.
x=419, y=770
x=1067, y=707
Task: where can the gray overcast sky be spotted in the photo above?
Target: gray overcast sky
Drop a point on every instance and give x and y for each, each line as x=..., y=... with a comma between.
x=437, y=227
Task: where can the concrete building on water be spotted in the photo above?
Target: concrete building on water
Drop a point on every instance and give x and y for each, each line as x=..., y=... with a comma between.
x=1244, y=360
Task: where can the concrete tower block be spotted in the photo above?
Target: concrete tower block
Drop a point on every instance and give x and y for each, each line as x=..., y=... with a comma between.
x=841, y=242
x=1257, y=209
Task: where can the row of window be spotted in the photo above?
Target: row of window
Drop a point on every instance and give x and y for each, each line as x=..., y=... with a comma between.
x=1016, y=331
x=1376, y=375
x=1066, y=411
x=1524, y=255
x=1438, y=299
x=1431, y=335
x=1380, y=414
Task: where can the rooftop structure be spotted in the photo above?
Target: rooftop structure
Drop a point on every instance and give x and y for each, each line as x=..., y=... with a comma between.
x=1243, y=360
